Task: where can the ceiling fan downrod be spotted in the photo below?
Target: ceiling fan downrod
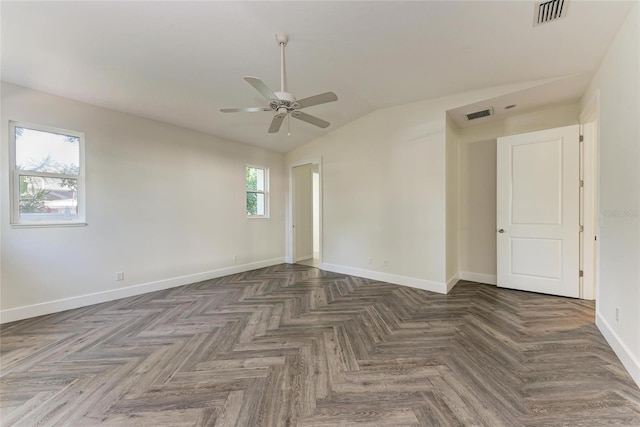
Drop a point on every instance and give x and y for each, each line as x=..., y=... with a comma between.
x=282, y=40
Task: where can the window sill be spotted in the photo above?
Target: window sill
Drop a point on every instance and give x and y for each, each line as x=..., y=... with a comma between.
x=50, y=224
x=257, y=217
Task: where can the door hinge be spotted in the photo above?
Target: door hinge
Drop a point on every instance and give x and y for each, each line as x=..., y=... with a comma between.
x=582, y=228
x=581, y=183
x=581, y=274
x=581, y=139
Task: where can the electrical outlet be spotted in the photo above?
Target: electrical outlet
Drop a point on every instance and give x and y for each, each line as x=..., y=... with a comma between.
x=120, y=275
x=370, y=260
x=617, y=314
x=385, y=263
x=235, y=258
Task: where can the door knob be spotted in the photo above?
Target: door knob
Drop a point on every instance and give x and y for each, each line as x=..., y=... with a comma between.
x=501, y=230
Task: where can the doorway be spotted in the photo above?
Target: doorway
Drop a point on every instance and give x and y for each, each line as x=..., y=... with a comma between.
x=306, y=214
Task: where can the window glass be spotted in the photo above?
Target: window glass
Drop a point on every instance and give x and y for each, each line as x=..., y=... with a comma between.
x=52, y=198
x=255, y=178
x=256, y=188
x=40, y=151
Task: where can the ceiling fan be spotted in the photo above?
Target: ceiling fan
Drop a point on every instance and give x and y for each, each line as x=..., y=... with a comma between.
x=283, y=102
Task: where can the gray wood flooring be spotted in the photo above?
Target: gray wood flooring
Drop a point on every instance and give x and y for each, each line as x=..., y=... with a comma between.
x=292, y=345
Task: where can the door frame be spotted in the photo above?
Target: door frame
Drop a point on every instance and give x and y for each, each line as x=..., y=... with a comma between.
x=290, y=250
x=590, y=205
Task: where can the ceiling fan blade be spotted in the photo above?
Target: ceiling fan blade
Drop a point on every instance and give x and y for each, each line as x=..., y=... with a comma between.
x=245, y=110
x=310, y=119
x=317, y=99
x=276, y=123
x=261, y=87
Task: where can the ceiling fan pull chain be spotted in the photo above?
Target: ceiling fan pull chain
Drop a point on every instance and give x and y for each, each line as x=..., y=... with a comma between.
x=288, y=124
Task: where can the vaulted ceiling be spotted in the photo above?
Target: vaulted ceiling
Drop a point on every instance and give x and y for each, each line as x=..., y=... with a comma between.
x=180, y=62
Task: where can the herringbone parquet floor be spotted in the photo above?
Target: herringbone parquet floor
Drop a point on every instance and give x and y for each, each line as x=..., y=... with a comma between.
x=293, y=345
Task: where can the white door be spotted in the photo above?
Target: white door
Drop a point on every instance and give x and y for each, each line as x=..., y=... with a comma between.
x=538, y=211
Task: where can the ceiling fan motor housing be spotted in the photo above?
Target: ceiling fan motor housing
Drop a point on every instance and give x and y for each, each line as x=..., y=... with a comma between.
x=285, y=96
x=285, y=103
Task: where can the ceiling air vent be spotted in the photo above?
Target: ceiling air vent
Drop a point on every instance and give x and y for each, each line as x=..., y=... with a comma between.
x=480, y=114
x=547, y=11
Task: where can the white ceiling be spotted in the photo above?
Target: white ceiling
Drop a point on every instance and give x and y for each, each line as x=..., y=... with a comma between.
x=180, y=62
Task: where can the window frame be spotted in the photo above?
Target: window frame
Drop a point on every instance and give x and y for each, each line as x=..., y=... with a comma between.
x=14, y=179
x=264, y=192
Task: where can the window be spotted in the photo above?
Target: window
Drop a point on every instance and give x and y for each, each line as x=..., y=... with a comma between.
x=257, y=192
x=47, y=179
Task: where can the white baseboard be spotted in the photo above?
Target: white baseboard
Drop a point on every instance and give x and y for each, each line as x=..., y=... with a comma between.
x=303, y=257
x=452, y=282
x=49, y=307
x=488, y=279
x=412, y=282
x=627, y=358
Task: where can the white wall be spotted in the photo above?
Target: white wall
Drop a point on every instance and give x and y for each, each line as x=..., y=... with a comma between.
x=477, y=184
x=303, y=211
x=384, y=191
x=618, y=83
x=165, y=205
